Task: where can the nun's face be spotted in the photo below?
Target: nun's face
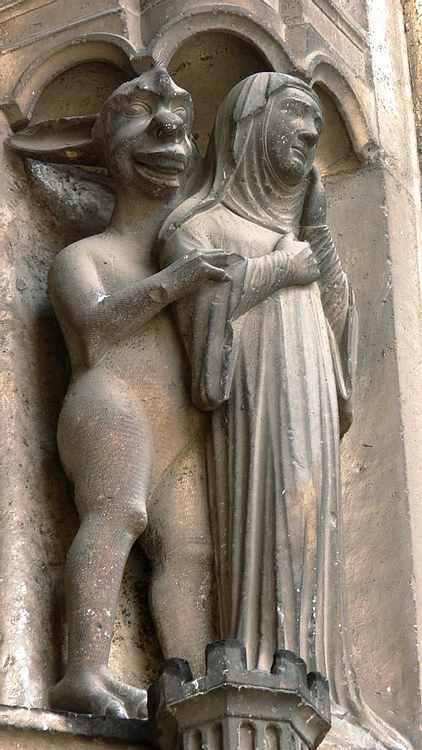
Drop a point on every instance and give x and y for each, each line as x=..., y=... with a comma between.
x=292, y=130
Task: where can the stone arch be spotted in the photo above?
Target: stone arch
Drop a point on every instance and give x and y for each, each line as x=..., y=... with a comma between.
x=361, y=129
x=100, y=48
x=335, y=152
x=263, y=32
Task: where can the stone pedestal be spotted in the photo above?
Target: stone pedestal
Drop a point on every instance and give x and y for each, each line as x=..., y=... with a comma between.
x=233, y=708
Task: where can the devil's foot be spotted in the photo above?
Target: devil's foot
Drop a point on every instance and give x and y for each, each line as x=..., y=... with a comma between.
x=100, y=693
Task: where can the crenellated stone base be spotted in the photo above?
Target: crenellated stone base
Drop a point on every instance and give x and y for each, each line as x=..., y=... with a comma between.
x=233, y=708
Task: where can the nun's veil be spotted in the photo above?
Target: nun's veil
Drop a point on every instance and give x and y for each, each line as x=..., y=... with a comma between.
x=236, y=172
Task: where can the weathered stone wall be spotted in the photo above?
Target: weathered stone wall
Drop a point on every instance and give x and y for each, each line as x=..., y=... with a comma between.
x=64, y=58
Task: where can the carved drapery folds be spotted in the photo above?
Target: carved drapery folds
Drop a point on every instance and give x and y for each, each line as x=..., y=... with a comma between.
x=61, y=59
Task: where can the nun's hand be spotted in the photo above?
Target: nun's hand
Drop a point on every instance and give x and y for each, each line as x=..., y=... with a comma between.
x=299, y=262
x=305, y=267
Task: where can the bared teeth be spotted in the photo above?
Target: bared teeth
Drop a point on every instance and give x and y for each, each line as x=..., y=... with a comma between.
x=159, y=175
x=160, y=162
x=171, y=170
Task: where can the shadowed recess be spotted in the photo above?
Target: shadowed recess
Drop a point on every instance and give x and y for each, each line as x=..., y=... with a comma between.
x=81, y=90
x=335, y=151
x=209, y=65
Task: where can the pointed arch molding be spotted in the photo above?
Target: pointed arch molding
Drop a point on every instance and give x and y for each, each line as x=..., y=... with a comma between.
x=264, y=30
x=361, y=127
x=108, y=48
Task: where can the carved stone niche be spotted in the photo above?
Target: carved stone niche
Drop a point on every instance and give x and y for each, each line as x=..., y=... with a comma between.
x=373, y=216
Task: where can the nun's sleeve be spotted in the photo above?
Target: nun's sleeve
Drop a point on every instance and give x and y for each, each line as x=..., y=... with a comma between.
x=339, y=306
x=205, y=321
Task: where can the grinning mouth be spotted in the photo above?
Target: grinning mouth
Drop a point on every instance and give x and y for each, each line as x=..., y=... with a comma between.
x=168, y=163
x=162, y=169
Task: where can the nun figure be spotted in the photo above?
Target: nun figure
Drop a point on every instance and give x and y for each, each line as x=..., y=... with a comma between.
x=272, y=354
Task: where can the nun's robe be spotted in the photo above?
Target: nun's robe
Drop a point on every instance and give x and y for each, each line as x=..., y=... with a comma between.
x=272, y=372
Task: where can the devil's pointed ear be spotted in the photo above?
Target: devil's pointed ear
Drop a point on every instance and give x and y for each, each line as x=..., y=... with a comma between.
x=64, y=140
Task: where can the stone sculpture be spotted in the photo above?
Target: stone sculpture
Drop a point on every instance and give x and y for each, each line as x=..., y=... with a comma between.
x=272, y=355
x=269, y=324
x=129, y=438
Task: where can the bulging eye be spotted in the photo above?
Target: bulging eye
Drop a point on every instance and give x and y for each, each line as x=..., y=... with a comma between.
x=137, y=109
x=180, y=112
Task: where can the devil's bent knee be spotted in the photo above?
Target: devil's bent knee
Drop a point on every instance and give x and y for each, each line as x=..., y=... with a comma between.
x=135, y=520
x=113, y=510
x=131, y=516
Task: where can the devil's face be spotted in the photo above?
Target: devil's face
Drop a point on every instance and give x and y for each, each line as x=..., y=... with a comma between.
x=146, y=132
